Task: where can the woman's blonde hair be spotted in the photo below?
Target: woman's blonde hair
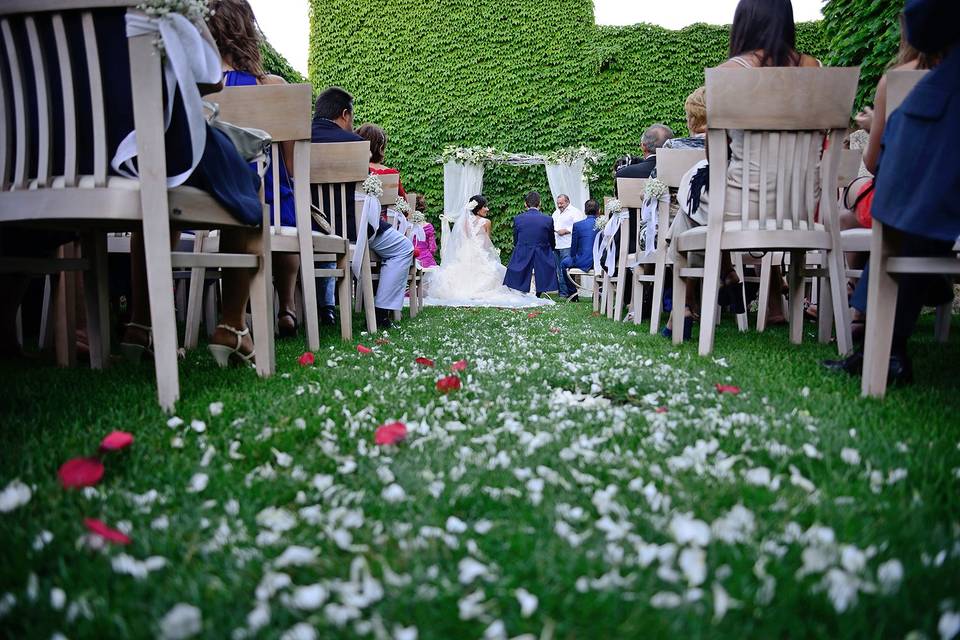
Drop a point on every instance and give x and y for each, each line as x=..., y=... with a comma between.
x=696, y=107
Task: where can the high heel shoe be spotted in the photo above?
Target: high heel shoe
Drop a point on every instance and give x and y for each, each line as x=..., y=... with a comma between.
x=224, y=355
x=134, y=351
x=287, y=331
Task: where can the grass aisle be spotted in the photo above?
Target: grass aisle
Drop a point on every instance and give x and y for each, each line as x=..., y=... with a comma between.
x=587, y=481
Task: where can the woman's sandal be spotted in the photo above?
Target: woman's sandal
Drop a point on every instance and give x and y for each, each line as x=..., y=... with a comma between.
x=224, y=355
x=287, y=332
x=134, y=351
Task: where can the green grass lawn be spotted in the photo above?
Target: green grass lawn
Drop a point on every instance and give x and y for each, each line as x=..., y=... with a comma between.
x=551, y=496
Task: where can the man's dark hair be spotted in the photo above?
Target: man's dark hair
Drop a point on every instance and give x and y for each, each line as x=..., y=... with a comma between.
x=332, y=102
x=591, y=208
x=532, y=200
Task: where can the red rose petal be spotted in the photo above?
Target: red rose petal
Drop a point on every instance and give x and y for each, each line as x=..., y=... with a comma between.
x=80, y=472
x=728, y=388
x=661, y=409
x=307, y=359
x=459, y=365
x=382, y=341
x=533, y=314
x=102, y=530
x=448, y=383
x=364, y=350
x=554, y=329
x=391, y=433
x=427, y=362
x=116, y=441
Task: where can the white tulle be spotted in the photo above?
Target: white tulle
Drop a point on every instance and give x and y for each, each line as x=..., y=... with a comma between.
x=470, y=272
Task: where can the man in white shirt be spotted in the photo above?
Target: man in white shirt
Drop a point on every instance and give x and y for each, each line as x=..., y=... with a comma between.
x=563, y=220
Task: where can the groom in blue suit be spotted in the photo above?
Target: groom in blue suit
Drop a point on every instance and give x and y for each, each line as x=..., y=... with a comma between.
x=533, y=245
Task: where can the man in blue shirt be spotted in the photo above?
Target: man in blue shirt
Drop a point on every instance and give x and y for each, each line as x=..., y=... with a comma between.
x=581, y=242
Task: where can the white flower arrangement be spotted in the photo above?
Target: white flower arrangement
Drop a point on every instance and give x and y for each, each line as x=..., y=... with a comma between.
x=373, y=186
x=402, y=205
x=614, y=206
x=194, y=10
x=485, y=156
x=600, y=223
x=470, y=206
x=655, y=189
x=418, y=217
x=590, y=157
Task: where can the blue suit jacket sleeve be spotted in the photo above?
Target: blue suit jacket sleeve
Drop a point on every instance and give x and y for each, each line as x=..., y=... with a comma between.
x=574, y=241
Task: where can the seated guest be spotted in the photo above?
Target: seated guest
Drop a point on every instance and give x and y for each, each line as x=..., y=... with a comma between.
x=234, y=28
x=917, y=201
x=333, y=122
x=378, y=149
x=695, y=107
x=653, y=138
x=565, y=216
x=425, y=249
x=581, y=243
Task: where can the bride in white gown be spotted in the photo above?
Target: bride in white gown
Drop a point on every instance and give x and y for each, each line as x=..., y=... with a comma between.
x=470, y=272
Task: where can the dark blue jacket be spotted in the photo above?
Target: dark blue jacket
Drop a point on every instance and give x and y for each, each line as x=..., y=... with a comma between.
x=581, y=243
x=533, y=244
x=923, y=198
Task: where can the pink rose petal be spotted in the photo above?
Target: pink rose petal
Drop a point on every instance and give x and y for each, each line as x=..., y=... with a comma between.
x=116, y=441
x=448, y=384
x=307, y=359
x=364, y=350
x=391, y=433
x=728, y=388
x=459, y=365
x=426, y=362
x=80, y=472
x=101, y=529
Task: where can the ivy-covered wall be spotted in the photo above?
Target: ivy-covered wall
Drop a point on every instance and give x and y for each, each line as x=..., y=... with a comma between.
x=864, y=33
x=523, y=75
x=277, y=65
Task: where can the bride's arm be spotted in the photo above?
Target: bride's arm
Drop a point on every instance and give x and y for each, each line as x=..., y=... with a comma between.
x=487, y=226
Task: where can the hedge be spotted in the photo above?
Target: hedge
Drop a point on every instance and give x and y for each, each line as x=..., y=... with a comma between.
x=525, y=75
x=276, y=64
x=865, y=33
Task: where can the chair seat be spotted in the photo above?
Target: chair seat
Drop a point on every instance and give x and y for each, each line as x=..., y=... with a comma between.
x=855, y=239
x=736, y=237
x=118, y=202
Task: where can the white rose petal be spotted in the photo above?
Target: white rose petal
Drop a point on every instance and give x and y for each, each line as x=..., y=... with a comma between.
x=258, y=618
x=43, y=539
x=693, y=563
x=393, y=493
x=198, y=483
x=949, y=625
x=309, y=598
x=276, y=519
x=300, y=631
x=295, y=556
x=283, y=459
x=15, y=495
x=58, y=598
x=890, y=575
x=182, y=621
x=404, y=633
x=456, y=525
x=688, y=530
x=666, y=600
x=470, y=570
x=528, y=602
x=215, y=408
x=850, y=456
x=175, y=422
x=198, y=425
x=760, y=476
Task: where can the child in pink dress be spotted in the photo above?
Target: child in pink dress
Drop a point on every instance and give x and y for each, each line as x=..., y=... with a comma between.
x=425, y=250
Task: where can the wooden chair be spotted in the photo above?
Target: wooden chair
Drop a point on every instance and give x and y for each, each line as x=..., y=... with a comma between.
x=336, y=171
x=283, y=111
x=391, y=190
x=782, y=113
x=99, y=203
x=884, y=264
x=672, y=164
x=614, y=285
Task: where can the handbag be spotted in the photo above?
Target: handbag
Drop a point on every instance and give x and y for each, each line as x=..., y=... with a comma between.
x=252, y=144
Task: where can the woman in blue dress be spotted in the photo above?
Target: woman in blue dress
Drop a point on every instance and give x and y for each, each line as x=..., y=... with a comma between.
x=235, y=31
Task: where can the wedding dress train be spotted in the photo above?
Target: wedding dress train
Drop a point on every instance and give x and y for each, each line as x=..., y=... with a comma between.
x=470, y=272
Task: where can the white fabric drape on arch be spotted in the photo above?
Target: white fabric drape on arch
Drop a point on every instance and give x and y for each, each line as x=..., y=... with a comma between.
x=568, y=179
x=460, y=182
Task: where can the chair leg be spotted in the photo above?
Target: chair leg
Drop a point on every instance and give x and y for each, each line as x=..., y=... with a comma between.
x=96, y=298
x=657, y=303
x=198, y=276
x=796, y=296
x=711, y=288
x=210, y=307
x=622, y=284
x=742, y=323
x=605, y=294
x=942, y=327
x=679, y=300
x=834, y=299
x=763, y=299
x=824, y=308
x=261, y=303
x=366, y=291
x=345, y=294
x=46, y=314
x=65, y=312
x=881, y=311
x=595, y=294
x=414, y=302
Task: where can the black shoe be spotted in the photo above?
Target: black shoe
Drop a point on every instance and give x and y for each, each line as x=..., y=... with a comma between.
x=852, y=364
x=899, y=369
x=731, y=295
x=287, y=330
x=384, y=319
x=327, y=317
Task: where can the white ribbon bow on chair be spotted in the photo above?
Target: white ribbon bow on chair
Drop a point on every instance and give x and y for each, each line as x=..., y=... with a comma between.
x=418, y=233
x=649, y=217
x=369, y=217
x=189, y=58
x=605, y=240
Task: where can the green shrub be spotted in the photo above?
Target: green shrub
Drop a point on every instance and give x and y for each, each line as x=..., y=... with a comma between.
x=527, y=76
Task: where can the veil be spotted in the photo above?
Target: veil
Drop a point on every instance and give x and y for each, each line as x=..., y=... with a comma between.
x=460, y=234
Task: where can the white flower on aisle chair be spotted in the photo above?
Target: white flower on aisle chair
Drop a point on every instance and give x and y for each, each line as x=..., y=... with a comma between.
x=600, y=223
x=418, y=217
x=372, y=186
x=655, y=189
x=402, y=206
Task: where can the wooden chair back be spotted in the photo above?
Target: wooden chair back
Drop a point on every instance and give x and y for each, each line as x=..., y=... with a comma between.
x=900, y=84
x=283, y=111
x=630, y=192
x=391, y=189
x=781, y=114
x=335, y=170
x=672, y=164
